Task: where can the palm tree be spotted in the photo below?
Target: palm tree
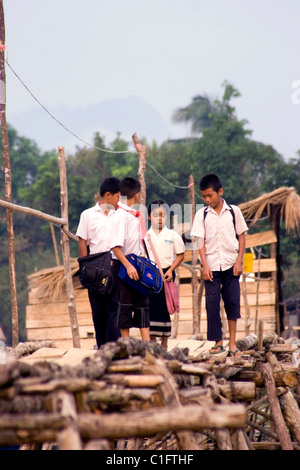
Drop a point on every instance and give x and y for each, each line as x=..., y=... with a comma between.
x=203, y=110
x=199, y=113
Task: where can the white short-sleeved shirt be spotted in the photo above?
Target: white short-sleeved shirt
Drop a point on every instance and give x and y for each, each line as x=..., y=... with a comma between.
x=93, y=228
x=167, y=244
x=219, y=234
x=126, y=231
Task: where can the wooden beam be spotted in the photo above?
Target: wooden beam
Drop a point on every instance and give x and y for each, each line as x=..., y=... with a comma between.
x=260, y=239
x=27, y=210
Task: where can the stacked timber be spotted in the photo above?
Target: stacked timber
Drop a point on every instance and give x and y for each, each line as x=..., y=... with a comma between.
x=133, y=395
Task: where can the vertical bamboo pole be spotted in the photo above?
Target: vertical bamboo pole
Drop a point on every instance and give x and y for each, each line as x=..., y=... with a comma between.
x=7, y=172
x=66, y=249
x=196, y=322
x=141, y=150
x=54, y=244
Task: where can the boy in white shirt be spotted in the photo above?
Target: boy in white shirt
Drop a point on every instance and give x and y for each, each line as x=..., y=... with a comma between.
x=126, y=238
x=94, y=237
x=220, y=230
x=170, y=249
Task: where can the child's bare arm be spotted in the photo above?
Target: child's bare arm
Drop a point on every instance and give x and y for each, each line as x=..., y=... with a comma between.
x=207, y=272
x=238, y=267
x=178, y=260
x=131, y=271
x=82, y=247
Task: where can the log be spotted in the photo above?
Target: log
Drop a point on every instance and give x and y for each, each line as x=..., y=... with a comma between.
x=291, y=413
x=278, y=419
x=68, y=438
x=120, y=397
x=238, y=391
x=135, y=380
x=282, y=376
x=30, y=428
x=248, y=342
x=169, y=395
x=149, y=423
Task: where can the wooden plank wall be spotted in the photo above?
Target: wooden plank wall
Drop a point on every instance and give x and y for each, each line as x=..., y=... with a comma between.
x=50, y=320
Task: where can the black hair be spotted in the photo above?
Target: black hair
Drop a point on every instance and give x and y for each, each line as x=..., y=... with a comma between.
x=130, y=187
x=210, y=181
x=155, y=204
x=110, y=185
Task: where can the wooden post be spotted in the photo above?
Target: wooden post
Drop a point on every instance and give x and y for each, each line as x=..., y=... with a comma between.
x=54, y=245
x=196, y=322
x=247, y=308
x=257, y=291
x=66, y=249
x=141, y=150
x=7, y=172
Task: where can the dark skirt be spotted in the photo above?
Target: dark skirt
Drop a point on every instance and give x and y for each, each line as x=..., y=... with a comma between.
x=160, y=321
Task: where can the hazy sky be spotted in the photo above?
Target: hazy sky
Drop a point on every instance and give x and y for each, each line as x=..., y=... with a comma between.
x=164, y=51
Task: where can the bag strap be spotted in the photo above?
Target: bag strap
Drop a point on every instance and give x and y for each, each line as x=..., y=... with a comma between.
x=138, y=214
x=149, y=240
x=232, y=213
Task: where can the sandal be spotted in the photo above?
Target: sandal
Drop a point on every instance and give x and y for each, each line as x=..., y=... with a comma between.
x=234, y=353
x=220, y=347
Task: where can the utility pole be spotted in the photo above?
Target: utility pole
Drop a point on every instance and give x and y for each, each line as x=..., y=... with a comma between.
x=7, y=172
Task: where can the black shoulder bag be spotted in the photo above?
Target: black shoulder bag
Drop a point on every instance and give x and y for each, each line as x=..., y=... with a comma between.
x=95, y=272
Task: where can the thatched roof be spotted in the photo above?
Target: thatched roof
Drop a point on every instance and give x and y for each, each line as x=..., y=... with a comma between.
x=285, y=199
x=50, y=283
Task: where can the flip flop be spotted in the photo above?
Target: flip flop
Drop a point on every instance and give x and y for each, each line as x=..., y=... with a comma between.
x=234, y=353
x=220, y=347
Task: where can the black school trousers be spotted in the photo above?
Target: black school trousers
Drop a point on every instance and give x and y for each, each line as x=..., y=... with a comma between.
x=227, y=285
x=105, y=312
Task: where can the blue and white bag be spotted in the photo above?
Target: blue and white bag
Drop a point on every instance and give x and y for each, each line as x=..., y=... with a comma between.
x=150, y=279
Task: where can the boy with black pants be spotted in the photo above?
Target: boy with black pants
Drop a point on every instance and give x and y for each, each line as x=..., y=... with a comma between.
x=220, y=230
x=127, y=238
x=94, y=237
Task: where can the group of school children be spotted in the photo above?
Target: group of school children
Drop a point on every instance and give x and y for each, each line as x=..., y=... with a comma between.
x=114, y=224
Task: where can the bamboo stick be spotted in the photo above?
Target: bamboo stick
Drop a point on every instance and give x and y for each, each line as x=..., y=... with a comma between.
x=27, y=210
x=8, y=196
x=66, y=250
x=195, y=286
x=69, y=437
x=161, y=420
x=141, y=150
x=291, y=413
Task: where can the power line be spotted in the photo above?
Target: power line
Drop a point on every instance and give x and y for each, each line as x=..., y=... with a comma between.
x=84, y=141
x=56, y=120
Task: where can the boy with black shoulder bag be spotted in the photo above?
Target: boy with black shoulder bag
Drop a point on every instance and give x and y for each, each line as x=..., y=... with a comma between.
x=97, y=270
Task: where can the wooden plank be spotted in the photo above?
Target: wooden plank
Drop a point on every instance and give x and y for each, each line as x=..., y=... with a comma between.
x=80, y=294
x=260, y=239
x=266, y=265
x=58, y=333
x=33, y=320
x=58, y=308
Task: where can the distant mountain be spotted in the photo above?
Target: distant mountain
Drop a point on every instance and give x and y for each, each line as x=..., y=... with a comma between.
x=124, y=115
